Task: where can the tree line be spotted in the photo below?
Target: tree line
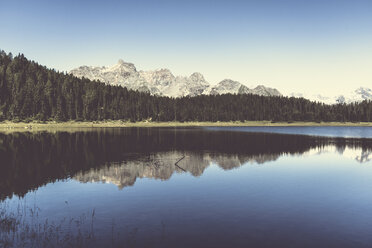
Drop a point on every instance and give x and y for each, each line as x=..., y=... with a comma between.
x=29, y=91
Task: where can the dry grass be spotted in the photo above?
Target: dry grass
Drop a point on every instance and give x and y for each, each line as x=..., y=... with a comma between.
x=23, y=228
x=8, y=126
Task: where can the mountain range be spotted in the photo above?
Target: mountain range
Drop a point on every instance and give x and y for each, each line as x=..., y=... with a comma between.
x=162, y=82
x=358, y=95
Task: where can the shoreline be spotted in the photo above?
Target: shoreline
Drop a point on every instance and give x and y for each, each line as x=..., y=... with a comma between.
x=8, y=126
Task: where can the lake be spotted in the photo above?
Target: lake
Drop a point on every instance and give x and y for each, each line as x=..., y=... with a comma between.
x=187, y=187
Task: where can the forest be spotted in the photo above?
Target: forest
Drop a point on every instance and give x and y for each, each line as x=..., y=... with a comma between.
x=29, y=91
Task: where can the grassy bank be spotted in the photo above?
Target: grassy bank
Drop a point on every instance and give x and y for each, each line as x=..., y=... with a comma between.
x=8, y=125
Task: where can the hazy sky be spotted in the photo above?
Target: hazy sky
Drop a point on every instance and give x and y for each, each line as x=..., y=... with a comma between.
x=295, y=45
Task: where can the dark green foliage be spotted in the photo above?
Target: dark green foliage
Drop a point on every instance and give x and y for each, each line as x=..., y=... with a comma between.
x=28, y=90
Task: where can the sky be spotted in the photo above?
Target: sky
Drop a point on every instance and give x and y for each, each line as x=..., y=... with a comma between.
x=311, y=46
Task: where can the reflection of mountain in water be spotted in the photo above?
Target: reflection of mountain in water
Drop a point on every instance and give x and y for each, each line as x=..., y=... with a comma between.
x=361, y=155
x=30, y=160
x=364, y=157
x=163, y=165
x=158, y=166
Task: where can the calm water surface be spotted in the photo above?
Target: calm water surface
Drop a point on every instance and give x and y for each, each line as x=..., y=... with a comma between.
x=188, y=187
x=345, y=132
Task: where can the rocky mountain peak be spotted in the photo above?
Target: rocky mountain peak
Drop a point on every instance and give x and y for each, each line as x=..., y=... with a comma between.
x=199, y=84
x=266, y=91
x=228, y=83
x=260, y=87
x=226, y=86
x=122, y=67
x=244, y=90
x=161, y=77
x=197, y=77
x=164, y=73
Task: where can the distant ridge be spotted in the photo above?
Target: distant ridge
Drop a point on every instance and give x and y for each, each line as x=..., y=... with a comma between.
x=358, y=95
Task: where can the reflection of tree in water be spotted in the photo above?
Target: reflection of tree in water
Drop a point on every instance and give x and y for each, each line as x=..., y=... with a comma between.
x=29, y=160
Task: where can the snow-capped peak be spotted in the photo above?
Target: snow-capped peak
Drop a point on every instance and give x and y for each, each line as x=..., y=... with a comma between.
x=364, y=92
x=266, y=91
x=226, y=86
x=198, y=78
x=121, y=67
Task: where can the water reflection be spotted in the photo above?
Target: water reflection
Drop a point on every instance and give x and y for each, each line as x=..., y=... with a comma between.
x=120, y=156
x=219, y=189
x=162, y=165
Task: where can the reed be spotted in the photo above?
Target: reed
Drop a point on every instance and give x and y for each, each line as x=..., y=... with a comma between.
x=22, y=227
